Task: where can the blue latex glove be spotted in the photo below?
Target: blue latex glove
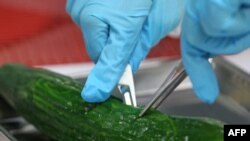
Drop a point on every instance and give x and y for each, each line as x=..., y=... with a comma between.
x=118, y=32
x=210, y=28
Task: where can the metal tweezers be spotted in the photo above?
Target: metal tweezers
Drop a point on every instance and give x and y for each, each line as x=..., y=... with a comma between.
x=176, y=76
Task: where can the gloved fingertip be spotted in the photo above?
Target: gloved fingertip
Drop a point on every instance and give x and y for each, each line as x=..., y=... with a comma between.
x=93, y=95
x=207, y=94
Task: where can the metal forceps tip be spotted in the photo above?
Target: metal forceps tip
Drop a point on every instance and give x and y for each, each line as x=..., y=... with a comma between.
x=176, y=76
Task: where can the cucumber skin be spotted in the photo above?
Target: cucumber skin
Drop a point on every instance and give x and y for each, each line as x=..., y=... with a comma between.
x=53, y=104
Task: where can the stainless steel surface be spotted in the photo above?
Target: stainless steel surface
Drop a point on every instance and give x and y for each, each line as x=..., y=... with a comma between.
x=185, y=103
x=234, y=81
x=176, y=76
x=3, y=137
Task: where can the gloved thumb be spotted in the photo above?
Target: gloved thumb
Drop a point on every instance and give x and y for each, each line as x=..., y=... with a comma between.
x=200, y=71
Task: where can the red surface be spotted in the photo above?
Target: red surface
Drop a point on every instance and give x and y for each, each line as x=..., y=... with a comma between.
x=39, y=32
x=18, y=24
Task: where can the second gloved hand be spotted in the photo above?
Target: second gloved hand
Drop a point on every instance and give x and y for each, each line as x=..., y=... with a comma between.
x=210, y=28
x=118, y=32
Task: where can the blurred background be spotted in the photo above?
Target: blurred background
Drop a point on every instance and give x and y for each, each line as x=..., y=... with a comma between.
x=39, y=32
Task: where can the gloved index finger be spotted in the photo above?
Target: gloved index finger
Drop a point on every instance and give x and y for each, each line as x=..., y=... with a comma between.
x=96, y=33
x=113, y=58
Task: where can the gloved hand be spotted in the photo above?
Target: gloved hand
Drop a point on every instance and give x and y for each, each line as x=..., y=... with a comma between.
x=210, y=28
x=118, y=32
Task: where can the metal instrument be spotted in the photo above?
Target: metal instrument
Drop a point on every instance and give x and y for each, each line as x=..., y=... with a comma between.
x=4, y=135
x=176, y=76
x=127, y=88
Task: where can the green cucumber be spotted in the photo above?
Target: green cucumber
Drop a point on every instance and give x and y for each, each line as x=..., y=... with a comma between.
x=52, y=103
